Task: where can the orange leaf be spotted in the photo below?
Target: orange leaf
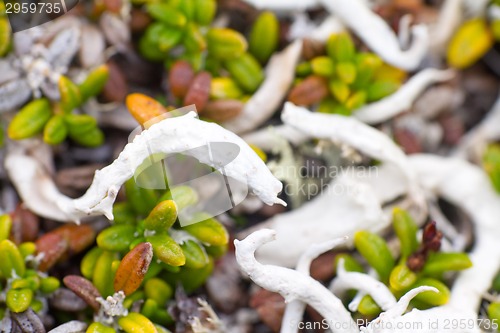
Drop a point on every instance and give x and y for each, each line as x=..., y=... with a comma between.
x=133, y=267
x=144, y=108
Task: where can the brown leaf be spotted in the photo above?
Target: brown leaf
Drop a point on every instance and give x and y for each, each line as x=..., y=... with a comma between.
x=312, y=48
x=199, y=91
x=179, y=78
x=407, y=140
x=79, y=237
x=84, y=289
x=453, y=128
x=132, y=268
x=310, y=91
x=25, y=225
x=113, y=6
x=53, y=246
x=116, y=87
x=270, y=307
x=139, y=20
x=223, y=109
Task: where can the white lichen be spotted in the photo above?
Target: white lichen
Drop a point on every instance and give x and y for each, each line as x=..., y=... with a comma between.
x=403, y=98
x=369, y=27
x=295, y=309
x=111, y=308
x=294, y=285
x=467, y=187
x=290, y=284
x=368, y=285
x=280, y=73
x=174, y=135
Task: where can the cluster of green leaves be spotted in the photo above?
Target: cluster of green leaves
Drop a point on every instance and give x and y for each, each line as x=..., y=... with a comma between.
x=5, y=31
x=149, y=218
x=24, y=286
x=353, y=78
x=234, y=63
x=56, y=120
x=396, y=273
x=238, y=72
x=184, y=24
x=491, y=164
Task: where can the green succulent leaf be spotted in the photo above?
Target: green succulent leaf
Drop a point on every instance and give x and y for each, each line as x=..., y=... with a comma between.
x=264, y=36
x=71, y=97
x=340, y=47
x=167, y=250
x=402, y=278
x=55, y=130
x=158, y=290
x=142, y=200
x=196, y=256
x=162, y=217
x=204, y=11
x=368, y=307
x=5, y=226
x=406, y=230
x=224, y=43
x=11, y=260
x=246, y=71
x=87, y=265
x=167, y=14
x=430, y=297
x=94, y=82
x=376, y=252
x=19, y=300
x=323, y=66
x=441, y=262
x=30, y=120
x=103, y=274
x=209, y=231
x=116, y=238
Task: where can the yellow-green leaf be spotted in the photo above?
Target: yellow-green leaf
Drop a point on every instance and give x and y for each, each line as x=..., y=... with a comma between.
x=55, y=130
x=264, y=36
x=30, y=120
x=94, y=82
x=376, y=252
x=209, y=231
x=136, y=323
x=162, y=217
x=224, y=43
x=71, y=97
x=472, y=40
x=19, y=300
x=11, y=260
x=167, y=250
